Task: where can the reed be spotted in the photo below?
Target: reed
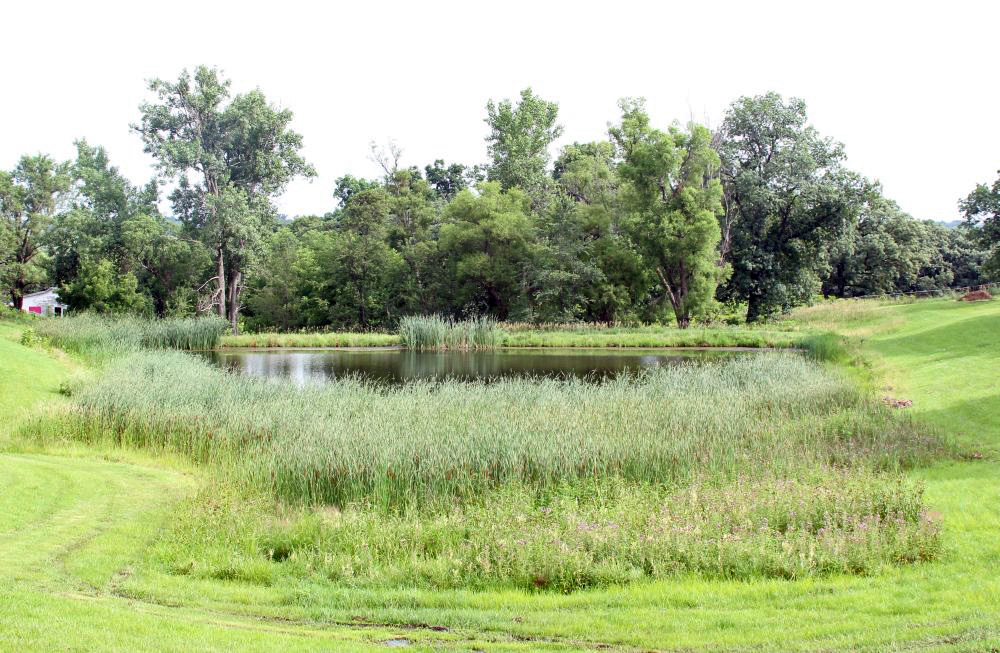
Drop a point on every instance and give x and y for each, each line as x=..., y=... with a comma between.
x=423, y=443
x=424, y=332
x=825, y=347
x=105, y=338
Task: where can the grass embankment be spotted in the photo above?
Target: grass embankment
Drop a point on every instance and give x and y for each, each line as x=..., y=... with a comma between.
x=311, y=340
x=26, y=378
x=655, y=336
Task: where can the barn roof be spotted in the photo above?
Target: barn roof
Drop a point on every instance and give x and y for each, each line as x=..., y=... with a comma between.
x=42, y=292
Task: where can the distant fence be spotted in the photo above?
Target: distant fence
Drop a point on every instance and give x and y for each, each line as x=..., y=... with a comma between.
x=939, y=292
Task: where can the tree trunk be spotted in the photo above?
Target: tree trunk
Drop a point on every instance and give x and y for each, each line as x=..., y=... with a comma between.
x=753, y=309
x=235, y=298
x=220, y=279
x=362, y=316
x=677, y=296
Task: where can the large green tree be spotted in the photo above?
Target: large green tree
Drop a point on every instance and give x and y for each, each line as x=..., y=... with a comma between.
x=488, y=240
x=110, y=221
x=360, y=264
x=229, y=157
x=982, y=215
x=673, y=197
x=29, y=199
x=787, y=198
x=594, y=271
x=518, y=144
x=883, y=251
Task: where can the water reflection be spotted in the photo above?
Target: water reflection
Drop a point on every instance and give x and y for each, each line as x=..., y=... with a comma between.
x=399, y=366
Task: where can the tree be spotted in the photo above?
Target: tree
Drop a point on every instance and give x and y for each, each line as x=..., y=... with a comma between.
x=449, y=180
x=588, y=269
x=488, y=240
x=673, y=196
x=518, y=144
x=275, y=295
x=787, y=196
x=29, y=199
x=883, y=251
x=109, y=219
x=99, y=287
x=982, y=216
x=359, y=262
x=230, y=160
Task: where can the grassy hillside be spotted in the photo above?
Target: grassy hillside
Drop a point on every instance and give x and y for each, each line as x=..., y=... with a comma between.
x=76, y=570
x=946, y=357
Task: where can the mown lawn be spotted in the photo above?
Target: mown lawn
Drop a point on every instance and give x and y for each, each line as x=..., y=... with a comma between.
x=75, y=572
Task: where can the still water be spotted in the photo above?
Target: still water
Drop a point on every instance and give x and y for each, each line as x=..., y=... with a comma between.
x=399, y=366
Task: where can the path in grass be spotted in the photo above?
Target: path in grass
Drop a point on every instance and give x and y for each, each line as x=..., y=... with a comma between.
x=82, y=585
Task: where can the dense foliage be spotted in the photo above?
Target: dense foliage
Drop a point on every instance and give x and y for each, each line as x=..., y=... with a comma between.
x=669, y=223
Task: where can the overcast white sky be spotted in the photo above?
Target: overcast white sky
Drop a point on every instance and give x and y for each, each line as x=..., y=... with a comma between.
x=909, y=87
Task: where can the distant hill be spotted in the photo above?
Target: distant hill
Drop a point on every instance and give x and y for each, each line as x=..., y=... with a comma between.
x=951, y=224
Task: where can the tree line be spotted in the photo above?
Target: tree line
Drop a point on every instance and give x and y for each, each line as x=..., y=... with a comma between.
x=655, y=223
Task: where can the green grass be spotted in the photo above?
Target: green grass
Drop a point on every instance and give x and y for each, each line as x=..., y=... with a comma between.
x=781, y=335
x=941, y=354
x=656, y=337
x=26, y=378
x=946, y=358
x=311, y=340
x=831, y=523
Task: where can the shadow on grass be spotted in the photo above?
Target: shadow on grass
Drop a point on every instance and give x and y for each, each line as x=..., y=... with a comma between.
x=970, y=423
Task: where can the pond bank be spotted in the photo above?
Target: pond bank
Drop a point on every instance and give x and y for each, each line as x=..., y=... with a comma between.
x=641, y=337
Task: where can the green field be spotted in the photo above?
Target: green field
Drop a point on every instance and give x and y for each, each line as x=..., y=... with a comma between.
x=95, y=539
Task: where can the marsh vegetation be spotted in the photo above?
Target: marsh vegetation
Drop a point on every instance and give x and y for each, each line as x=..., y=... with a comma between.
x=748, y=466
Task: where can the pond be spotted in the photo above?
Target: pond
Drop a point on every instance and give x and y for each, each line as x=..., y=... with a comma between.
x=395, y=365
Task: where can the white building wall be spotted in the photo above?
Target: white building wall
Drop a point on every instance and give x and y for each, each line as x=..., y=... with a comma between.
x=45, y=303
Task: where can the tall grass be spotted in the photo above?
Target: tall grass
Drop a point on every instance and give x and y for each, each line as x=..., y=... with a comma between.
x=833, y=522
x=105, y=338
x=438, y=332
x=349, y=440
x=825, y=347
